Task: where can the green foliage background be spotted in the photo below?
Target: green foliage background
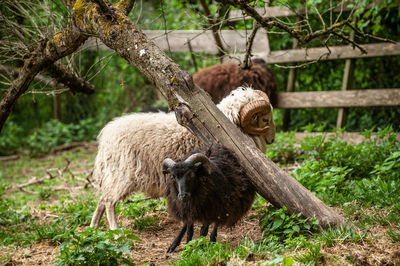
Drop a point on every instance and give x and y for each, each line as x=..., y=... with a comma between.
x=120, y=88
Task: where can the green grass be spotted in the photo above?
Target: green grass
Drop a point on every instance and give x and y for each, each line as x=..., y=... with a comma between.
x=359, y=180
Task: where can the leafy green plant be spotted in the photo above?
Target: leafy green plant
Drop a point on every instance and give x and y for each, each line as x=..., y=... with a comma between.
x=55, y=133
x=20, y=228
x=77, y=211
x=95, y=247
x=10, y=138
x=279, y=226
x=339, y=172
x=284, y=150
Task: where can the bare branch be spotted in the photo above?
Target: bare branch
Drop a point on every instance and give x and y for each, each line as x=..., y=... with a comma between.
x=365, y=35
x=192, y=55
x=62, y=44
x=214, y=28
x=249, y=45
x=12, y=71
x=64, y=75
x=320, y=17
x=363, y=51
x=165, y=25
x=297, y=33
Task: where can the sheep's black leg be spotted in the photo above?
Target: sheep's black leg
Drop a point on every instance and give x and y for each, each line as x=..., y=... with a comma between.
x=177, y=239
x=189, y=233
x=204, y=230
x=213, y=236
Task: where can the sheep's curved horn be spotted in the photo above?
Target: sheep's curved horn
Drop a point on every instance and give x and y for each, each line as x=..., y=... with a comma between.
x=199, y=158
x=167, y=163
x=263, y=94
x=250, y=109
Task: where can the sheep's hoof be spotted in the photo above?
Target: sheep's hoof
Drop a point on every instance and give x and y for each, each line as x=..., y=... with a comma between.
x=171, y=248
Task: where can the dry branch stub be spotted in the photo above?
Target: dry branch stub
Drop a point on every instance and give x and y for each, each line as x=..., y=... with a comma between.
x=201, y=116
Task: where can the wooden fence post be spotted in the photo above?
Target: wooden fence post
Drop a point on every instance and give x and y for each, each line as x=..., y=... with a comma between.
x=347, y=84
x=289, y=88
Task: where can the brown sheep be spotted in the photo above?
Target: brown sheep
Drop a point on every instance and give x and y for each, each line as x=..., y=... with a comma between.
x=219, y=80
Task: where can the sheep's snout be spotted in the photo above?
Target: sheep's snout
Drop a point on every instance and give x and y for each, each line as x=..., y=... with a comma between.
x=185, y=196
x=270, y=140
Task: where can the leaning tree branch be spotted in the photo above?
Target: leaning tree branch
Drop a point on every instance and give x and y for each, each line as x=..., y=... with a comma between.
x=195, y=110
x=125, y=5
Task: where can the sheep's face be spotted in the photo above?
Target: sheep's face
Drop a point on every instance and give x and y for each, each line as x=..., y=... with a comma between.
x=184, y=179
x=184, y=174
x=265, y=119
x=252, y=112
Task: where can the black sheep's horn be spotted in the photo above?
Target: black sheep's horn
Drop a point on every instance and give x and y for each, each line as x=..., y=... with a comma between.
x=166, y=164
x=199, y=158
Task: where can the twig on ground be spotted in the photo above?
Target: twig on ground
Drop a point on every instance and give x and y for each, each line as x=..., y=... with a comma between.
x=9, y=158
x=60, y=175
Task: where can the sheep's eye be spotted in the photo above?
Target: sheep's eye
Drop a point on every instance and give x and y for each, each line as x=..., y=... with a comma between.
x=266, y=120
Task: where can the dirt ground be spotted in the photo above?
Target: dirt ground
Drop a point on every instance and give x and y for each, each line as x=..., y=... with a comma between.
x=155, y=243
x=152, y=248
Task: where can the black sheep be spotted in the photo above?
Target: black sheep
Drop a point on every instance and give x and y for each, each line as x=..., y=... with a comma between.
x=209, y=187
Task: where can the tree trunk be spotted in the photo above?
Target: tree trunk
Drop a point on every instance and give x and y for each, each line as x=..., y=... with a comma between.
x=195, y=110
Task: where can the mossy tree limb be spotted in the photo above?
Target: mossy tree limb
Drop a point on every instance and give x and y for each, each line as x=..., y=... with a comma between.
x=48, y=52
x=195, y=110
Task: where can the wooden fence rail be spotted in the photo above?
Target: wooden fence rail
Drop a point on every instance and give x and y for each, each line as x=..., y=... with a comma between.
x=337, y=52
x=200, y=41
x=332, y=99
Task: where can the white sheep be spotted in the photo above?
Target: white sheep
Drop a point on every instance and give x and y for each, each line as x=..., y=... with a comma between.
x=132, y=147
